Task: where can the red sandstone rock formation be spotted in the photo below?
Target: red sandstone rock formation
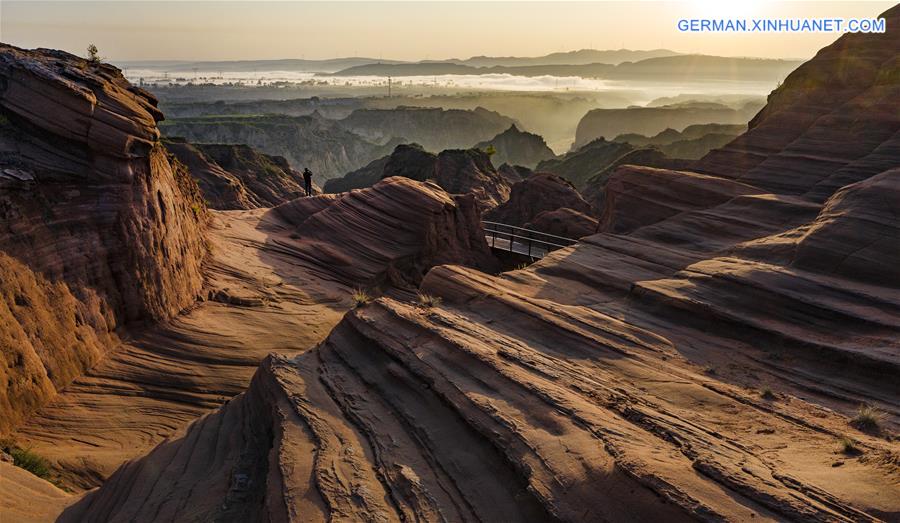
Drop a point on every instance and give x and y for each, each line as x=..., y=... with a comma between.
x=564, y=222
x=541, y=194
x=238, y=176
x=457, y=171
x=97, y=229
x=516, y=147
x=348, y=234
x=700, y=360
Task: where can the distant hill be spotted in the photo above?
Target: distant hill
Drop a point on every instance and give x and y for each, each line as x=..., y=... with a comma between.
x=517, y=147
x=237, y=176
x=579, y=57
x=649, y=121
x=691, y=143
x=323, y=145
x=434, y=128
x=444, y=68
x=682, y=67
x=243, y=66
x=332, y=148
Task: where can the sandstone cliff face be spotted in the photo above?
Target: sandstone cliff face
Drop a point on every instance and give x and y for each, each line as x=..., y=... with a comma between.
x=702, y=358
x=97, y=229
x=429, y=227
x=324, y=146
x=564, y=222
x=470, y=171
x=544, y=193
x=607, y=123
x=238, y=176
x=517, y=147
x=435, y=128
x=831, y=123
x=582, y=164
x=457, y=171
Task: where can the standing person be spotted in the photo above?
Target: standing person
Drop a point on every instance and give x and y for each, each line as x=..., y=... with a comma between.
x=307, y=180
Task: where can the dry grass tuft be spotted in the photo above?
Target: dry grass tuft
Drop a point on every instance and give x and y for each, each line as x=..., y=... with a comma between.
x=360, y=297
x=428, y=301
x=868, y=418
x=847, y=445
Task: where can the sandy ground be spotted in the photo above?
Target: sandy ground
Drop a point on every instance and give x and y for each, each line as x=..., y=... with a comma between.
x=166, y=376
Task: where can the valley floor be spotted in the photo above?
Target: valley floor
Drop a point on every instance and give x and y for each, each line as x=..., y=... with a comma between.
x=261, y=300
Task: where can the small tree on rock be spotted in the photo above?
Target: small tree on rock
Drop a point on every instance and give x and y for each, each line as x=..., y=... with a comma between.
x=93, y=54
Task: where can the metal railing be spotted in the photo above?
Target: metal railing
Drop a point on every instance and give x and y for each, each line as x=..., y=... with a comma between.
x=528, y=242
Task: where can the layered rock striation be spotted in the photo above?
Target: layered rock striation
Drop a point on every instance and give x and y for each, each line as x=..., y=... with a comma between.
x=98, y=229
x=457, y=171
x=702, y=357
x=346, y=234
x=238, y=176
x=547, y=203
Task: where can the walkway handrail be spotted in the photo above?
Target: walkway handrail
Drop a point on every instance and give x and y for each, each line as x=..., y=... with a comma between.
x=521, y=240
x=532, y=231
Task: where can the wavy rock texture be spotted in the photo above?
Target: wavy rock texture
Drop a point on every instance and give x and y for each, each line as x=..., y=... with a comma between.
x=27, y=498
x=547, y=203
x=700, y=360
x=97, y=228
x=278, y=281
x=831, y=123
x=426, y=227
x=535, y=194
x=457, y=171
x=564, y=222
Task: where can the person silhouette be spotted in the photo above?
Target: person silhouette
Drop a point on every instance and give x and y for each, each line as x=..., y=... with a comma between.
x=307, y=181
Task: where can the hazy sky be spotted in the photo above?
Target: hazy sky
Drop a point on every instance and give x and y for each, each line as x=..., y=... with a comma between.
x=254, y=29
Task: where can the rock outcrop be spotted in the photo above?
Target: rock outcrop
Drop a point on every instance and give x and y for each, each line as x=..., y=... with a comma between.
x=427, y=227
x=435, y=128
x=220, y=188
x=533, y=199
x=469, y=171
x=649, y=121
x=457, y=171
x=831, y=123
x=594, y=189
x=277, y=281
x=265, y=180
x=322, y=145
x=586, y=162
x=238, y=176
x=517, y=147
x=564, y=222
x=366, y=176
x=701, y=359
x=514, y=173
x=410, y=161
x=693, y=143
x=97, y=228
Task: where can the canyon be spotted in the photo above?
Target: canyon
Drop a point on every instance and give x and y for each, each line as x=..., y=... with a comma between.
x=721, y=343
